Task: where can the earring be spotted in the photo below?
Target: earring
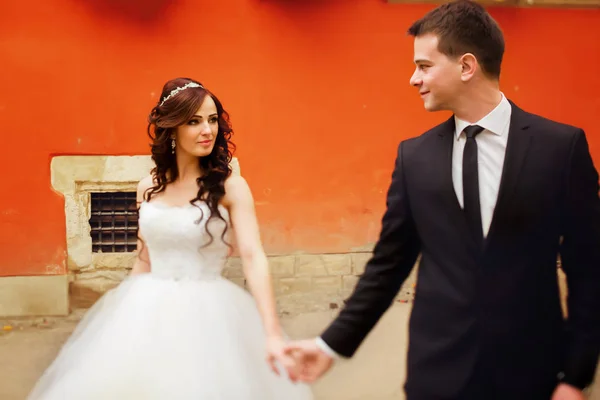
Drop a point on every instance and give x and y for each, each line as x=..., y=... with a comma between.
x=172, y=146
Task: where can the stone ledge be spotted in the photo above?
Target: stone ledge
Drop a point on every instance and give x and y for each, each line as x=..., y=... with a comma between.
x=25, y=296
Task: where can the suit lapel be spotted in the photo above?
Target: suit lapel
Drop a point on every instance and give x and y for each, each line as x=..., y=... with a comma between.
x=447, y=139
x=519, y=142
x=445, y=147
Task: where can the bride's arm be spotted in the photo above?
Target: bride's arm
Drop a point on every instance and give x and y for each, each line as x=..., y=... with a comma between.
x=142, y=260
x=238, y=199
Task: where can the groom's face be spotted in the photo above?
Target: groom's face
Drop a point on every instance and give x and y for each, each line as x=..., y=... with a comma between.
x=436, y=76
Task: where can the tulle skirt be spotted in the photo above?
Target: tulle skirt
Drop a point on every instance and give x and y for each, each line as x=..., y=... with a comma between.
x=156, y=338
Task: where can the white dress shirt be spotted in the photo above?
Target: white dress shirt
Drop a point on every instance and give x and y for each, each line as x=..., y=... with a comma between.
x=491, y=149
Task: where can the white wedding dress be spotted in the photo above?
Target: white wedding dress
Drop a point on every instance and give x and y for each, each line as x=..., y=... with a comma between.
x=181, y=332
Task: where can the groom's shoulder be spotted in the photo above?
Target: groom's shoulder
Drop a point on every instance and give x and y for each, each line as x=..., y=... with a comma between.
x=541, y=125
x=423, y=140
x=434, y=132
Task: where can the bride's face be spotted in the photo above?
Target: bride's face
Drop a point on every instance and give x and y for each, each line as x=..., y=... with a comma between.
x=197, y=136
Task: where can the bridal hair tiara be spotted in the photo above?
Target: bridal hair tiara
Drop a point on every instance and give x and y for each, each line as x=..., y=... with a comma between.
x=180, y=89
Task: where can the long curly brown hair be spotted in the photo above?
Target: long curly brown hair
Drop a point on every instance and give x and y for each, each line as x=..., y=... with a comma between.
x=162, y=123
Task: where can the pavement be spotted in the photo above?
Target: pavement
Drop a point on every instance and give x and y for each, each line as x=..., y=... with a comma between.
x=376, y=372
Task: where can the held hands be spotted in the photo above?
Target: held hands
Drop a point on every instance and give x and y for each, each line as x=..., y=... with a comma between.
x=311, y=361
x=276, y=354
x=303, y=360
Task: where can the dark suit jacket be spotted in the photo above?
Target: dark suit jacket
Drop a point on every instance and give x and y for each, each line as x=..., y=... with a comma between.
x=489, y=319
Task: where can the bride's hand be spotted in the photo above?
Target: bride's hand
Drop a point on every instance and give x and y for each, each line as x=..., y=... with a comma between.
x=275, y=353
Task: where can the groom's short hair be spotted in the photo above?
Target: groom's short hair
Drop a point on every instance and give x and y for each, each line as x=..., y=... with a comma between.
x=463, y=26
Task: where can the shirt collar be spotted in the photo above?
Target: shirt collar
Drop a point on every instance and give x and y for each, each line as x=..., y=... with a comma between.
x=494, y=122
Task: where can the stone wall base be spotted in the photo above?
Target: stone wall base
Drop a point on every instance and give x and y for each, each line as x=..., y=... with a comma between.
x=303, y=283
x=25, y=296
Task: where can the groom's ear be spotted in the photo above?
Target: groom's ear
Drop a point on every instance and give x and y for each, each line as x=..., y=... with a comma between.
x=469, y=65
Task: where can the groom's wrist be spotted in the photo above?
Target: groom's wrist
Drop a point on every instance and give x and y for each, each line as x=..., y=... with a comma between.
x=326, y=349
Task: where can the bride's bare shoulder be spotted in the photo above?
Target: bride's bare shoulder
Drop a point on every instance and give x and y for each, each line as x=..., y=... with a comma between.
x=236, y=191
x=143, y=186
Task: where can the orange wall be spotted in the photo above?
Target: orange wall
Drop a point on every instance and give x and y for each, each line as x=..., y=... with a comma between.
x=318, y=92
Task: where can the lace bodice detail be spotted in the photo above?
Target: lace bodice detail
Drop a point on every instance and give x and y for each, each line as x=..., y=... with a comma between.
x=177, y=240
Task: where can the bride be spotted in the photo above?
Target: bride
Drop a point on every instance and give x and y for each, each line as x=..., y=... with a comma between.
x=175, y=328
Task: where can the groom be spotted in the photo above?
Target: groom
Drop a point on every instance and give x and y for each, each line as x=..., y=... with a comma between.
x=489, y=199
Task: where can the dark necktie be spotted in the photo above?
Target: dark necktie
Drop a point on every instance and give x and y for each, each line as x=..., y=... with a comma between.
x=472, y=207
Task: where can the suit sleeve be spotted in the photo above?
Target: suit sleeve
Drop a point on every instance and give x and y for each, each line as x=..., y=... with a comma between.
x=580, y=255
x=393, y=257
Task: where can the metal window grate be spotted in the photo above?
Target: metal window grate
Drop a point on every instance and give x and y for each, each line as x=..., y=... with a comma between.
x=114, y=222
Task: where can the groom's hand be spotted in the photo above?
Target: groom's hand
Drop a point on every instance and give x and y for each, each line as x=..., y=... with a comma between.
x=567, y=392
x=312, y=361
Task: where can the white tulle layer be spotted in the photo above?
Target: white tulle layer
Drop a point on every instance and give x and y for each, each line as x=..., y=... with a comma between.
x=155, y=338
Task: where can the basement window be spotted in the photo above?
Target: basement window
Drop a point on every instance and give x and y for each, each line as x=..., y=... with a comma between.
x=113, y=222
